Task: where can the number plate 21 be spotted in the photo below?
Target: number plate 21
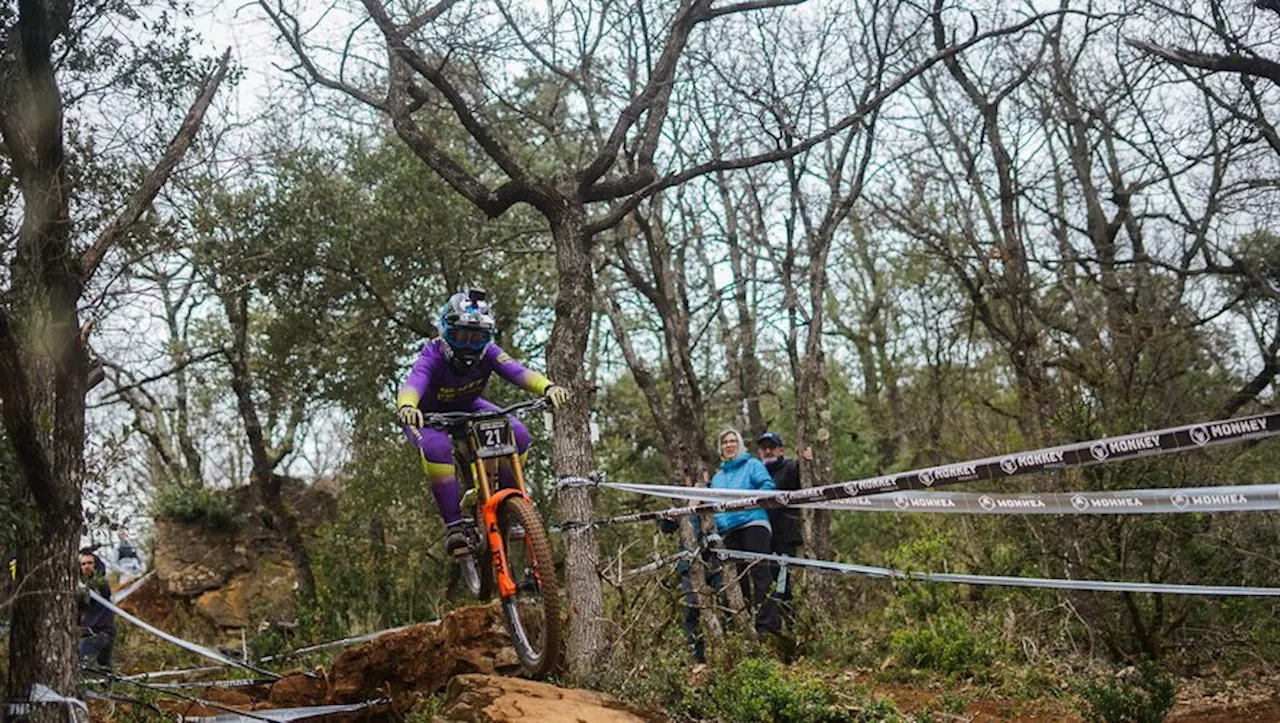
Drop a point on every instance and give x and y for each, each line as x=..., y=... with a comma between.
x=494, y=438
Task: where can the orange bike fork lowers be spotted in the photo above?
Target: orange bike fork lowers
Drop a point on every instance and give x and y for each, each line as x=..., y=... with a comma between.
x=497, y=546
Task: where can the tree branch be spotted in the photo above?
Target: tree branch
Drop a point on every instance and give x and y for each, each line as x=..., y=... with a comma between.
x=492, y=202
x=749, y=6
x=482, y=133
x=158, y=176
x=293, y=37
x=657, y=91
x=428, y=17
x=1260, y=381
x=1257, y=67
x=119, y=391
x=621, y=210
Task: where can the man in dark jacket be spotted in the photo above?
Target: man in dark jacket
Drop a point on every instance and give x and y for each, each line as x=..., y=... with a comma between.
x=97, y=624
x=787, y=529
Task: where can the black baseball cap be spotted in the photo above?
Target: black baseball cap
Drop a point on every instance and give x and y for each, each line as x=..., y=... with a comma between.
x=769, y=438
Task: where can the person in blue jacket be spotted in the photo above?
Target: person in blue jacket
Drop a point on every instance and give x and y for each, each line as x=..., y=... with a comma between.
x=748, y=530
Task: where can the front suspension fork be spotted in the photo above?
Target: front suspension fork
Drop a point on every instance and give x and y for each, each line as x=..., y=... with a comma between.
x=497, y=546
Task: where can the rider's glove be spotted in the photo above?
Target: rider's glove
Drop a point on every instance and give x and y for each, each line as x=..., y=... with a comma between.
x=410, y=416
x=557, y=394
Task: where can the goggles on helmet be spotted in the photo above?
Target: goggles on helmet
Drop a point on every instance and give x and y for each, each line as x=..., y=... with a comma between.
x=468, y=337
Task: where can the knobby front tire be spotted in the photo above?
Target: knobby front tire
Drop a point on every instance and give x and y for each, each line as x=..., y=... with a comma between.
x=533, y=613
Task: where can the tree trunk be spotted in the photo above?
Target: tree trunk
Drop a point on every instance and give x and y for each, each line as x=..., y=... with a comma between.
x=813, y=427
x=286, y=522
x=747, y=364
x=42, y=643
x=42, y=381
x=571, y=443
x=265, y=482
x=42, y=367
x=380, y=570
x=813, y=423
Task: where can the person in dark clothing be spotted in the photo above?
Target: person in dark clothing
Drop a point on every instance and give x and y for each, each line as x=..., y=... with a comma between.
x=692, y=609
x=786, y=522
x=97, y=624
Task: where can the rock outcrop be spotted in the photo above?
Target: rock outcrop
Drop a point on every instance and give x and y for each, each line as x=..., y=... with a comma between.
x=423, y=658
x=493, y=699
x=238, y=576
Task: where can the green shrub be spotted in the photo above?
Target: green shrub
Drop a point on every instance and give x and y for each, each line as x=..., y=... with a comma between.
x=1145, y=696
x=756, y=689
x=194, y=504
x=918, y=599
x=949, y=643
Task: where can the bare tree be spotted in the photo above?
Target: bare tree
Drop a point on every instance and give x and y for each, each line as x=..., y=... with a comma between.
x=662, y=281
x=1079, y=221
x=43, y=360
x=822, y=185
x=874, y=323
x=267, y=483
x=1249, y=97
x=164, y=419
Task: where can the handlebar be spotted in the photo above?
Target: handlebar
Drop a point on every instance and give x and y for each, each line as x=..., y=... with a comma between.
x=450, y=419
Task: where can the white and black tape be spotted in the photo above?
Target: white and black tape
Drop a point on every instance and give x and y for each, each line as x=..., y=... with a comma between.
x=170, y=673
x=1230, y=498
x=123, y=593
x=184, y=644
x=342, y=643
x=1082, y=454
x=572, y=482
x=1036, y=582
x=290, y=714
x=44, y=695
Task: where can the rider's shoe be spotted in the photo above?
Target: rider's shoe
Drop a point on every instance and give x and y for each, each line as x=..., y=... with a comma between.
x=455, y=541
x=515, y=531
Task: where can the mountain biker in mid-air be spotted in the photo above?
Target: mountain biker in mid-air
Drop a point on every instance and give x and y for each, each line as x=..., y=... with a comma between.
x=449, y=376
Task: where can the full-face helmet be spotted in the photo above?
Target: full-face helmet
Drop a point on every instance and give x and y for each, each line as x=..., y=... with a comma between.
x=467, y=326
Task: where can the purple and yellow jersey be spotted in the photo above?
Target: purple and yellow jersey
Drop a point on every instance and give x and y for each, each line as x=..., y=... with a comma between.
x=433, y=385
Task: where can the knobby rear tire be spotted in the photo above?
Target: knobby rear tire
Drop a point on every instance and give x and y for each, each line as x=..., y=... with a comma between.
x=538, y=654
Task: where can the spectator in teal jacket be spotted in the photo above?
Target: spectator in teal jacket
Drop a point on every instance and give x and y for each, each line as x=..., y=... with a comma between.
x=748, y=530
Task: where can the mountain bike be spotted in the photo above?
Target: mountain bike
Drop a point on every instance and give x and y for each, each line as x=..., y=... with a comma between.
x=508, y=544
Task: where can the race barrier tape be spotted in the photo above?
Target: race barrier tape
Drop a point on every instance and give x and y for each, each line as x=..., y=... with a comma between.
x=122, y=594
x=239, y=714
x=289, y=714
x=1228, y=498
x=1036, y=582
x=653, y=566
x=184, y=644
x=44, y=695
x=170, y=673
x=342, y=643
x=220, y=684
x=229, y=683
x=1068, y=456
